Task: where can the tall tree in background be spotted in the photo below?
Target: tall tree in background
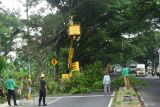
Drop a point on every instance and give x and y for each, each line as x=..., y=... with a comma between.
x=9, y=28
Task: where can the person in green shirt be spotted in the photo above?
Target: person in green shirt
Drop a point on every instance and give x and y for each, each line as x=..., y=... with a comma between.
x=10, y=83
x=125, y=74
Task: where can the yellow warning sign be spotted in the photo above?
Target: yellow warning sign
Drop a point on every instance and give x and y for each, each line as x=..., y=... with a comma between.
x=54, y=61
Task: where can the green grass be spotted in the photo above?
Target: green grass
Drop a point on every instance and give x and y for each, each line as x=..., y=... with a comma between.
x=2, y=99
x=119, y=97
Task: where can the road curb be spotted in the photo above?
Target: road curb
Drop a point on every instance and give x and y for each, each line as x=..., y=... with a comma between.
x=110, y=103
x=141, y=98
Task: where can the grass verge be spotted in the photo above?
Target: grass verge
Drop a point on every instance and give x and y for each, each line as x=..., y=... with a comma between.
x=126, y=98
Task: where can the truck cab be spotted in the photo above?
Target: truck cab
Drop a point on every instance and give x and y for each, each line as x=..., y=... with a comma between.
x=140, y=70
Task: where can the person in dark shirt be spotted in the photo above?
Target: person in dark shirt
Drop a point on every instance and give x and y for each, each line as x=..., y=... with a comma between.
x=42, y=93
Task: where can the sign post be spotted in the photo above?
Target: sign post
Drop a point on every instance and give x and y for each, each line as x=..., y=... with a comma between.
x=54, y=62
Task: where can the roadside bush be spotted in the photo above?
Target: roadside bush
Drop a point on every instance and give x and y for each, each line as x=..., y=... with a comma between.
x=2, y=64
x=53, y=87
x=91, y=79
x=73, y=90
x=84, y=90
x=79, y=90
x=78, y=80
x=76, y=84
x=2, y=99
x=93, y=73
x=97, y=85
x=117, y=82
x=135, y=82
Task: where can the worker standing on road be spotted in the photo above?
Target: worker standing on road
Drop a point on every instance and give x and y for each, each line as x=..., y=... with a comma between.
x=125, y=73
x=10, y=83
x=43, y=89
x=106, y=83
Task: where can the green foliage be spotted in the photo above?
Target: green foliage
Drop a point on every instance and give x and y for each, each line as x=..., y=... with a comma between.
x=53, y=87
x=112, y=19
x=117, y=82
x=78, y=80
x=2, y=99
x=8, y=31
x=79, y=90
x=93, y=73
x=77, y=84
x=97, y=85
x=73, y=90
x=2, y=64
x=135, y=82
x=81, y=83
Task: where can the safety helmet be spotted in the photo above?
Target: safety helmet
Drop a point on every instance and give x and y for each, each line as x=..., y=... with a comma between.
x=42, y=75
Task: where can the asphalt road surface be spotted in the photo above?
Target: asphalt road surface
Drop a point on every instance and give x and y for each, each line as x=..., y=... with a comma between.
x=83, y=100
x=151, y=94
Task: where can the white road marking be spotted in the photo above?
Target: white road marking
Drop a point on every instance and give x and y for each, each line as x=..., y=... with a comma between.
x=110, y=103
x=54, y=100
x=75, y=96
x=81, y=96
x=58, y=98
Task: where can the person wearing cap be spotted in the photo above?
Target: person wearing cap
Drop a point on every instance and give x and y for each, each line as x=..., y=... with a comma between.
x=42, y=93
x=10, y=83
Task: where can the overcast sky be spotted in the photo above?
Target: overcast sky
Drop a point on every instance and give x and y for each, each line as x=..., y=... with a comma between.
x=13, y=5
x=18, y=5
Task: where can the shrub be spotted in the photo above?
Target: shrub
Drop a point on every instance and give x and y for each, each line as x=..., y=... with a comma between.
x=53, y=87
x=76, y=84
x=117, y=82
x=84, y=90
x=97, y=85
x=73, y=90
x=2, y=99
x=135, y=82
x=82, y=83
x=78, y=80
x=93, y=73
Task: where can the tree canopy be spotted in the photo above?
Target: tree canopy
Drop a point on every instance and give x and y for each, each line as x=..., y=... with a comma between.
x=112, y=31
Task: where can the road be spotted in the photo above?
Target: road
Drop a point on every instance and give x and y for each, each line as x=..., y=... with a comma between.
x=83, y=100
x=151, y=94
